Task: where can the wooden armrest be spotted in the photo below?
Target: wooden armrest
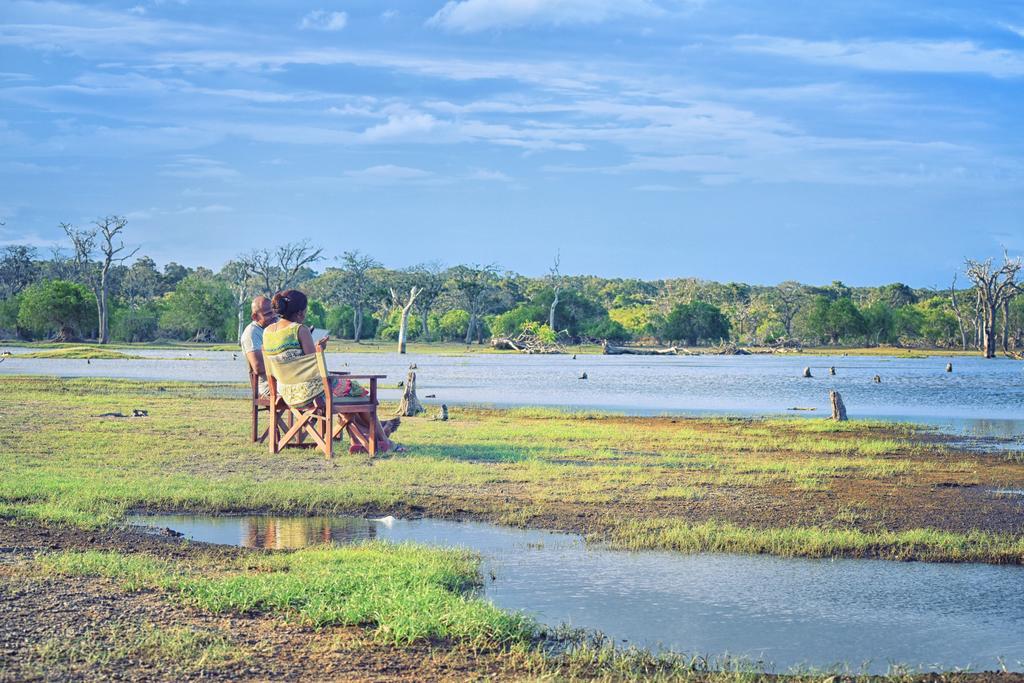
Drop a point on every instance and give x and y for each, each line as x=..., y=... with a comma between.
x=338, y=372
x=365, y=376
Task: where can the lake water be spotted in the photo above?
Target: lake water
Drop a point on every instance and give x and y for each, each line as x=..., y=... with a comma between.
x=980, y=398
x=786, y=612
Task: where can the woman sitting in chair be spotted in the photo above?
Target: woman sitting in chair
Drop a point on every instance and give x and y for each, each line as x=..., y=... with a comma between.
x=288, y=338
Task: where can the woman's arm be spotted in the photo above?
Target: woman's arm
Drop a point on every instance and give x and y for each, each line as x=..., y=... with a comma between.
x=306, y=339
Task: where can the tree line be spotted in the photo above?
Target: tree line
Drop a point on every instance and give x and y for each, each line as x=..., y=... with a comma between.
x=97, y=287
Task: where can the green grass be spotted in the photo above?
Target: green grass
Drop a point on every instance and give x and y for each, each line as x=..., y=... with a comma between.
x=921, y=544
x=529, y=466
x=177, y=648
x=79, y=353
x=402, y=593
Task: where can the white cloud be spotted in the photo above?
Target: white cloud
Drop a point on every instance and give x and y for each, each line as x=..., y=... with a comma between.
x=656, y=188
x=480, y=15
x=402, y=126
x=488, y=175
x=322, y=20
x=951, y=56
x=391, y=174
x=389, y=14
x=193, y=166
x=77, y=29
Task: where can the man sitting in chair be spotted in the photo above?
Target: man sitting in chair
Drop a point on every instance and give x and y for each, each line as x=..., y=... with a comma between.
x=252, y=340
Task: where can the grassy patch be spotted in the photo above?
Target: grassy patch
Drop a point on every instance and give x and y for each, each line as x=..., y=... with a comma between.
x=80, y=353
x=403, y=593
x=921, y=544
x=527, y=466
x=176, y=648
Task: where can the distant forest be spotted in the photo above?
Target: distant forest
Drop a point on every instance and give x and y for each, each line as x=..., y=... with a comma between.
x=99, y=288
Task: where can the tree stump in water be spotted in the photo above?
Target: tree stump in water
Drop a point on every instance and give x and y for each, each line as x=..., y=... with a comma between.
x=878, y=379
x=410, y=405
x=832, y=370
x=949, y=367
x=807, y=372
x=838, y=407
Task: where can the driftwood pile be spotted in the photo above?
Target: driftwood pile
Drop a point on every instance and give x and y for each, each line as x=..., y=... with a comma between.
x=526, y=342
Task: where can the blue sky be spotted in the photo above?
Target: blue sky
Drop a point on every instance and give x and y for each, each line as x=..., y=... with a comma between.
x=756, y=141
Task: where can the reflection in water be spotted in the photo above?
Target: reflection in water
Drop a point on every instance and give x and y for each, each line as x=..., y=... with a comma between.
x=785, y=611
x=280, y=533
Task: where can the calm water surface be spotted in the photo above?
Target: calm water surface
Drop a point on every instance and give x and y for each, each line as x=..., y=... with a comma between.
x=983, y=398
x=788, y=612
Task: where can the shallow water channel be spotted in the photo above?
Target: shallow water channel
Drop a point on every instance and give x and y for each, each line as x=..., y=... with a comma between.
x=864, y=614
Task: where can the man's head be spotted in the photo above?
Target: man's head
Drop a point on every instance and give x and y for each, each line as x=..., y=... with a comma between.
x=262, y=313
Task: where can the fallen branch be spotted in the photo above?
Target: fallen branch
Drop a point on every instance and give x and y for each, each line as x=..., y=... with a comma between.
x=610, y=350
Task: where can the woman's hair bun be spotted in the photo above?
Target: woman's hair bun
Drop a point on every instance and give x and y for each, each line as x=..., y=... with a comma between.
x=280, y=303
x=288, y=303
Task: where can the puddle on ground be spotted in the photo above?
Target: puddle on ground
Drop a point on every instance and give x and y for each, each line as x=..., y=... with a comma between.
x=864, y=614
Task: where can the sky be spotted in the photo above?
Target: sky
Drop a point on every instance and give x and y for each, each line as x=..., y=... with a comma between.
x=863, y=141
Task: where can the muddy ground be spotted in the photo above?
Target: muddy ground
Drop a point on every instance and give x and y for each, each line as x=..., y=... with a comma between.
x=62, y=628
x=67, y=629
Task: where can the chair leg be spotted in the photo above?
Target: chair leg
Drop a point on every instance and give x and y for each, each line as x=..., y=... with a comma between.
x=254, y=423
x=275, y=420
x=372, y=429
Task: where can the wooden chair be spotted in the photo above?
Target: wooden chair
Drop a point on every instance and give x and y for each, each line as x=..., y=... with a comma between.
x=322, y=424
x=260, y=404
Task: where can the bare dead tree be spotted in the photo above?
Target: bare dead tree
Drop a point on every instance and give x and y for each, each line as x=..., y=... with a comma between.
x=240, y=274
x=106, y=236
x=959, y=314
x=995, y=286
x=414, y=291
x=555, y=278
x=276, y=270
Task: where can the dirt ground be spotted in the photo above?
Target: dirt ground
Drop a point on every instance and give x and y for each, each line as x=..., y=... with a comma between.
x=59, y=628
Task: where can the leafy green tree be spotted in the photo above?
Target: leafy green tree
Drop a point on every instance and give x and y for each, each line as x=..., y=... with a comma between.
x=478, y=290
x=199, y=308
x=172, y=275
x=18, y=269
x=880, y=325
x=605, y=329
x=897, y=295
x=453, y=324
x=135, y=323
x=316, y=315
x=141, y=282
x=695, y=322
x=66, y=308
x=9, y=314
x=835, y=319
x=636, y=320
x=510, y=323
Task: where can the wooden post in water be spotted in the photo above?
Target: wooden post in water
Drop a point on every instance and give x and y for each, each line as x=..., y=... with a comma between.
x=807, y=372
x=838, y=407
x=410, y=405
x=949, y=367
